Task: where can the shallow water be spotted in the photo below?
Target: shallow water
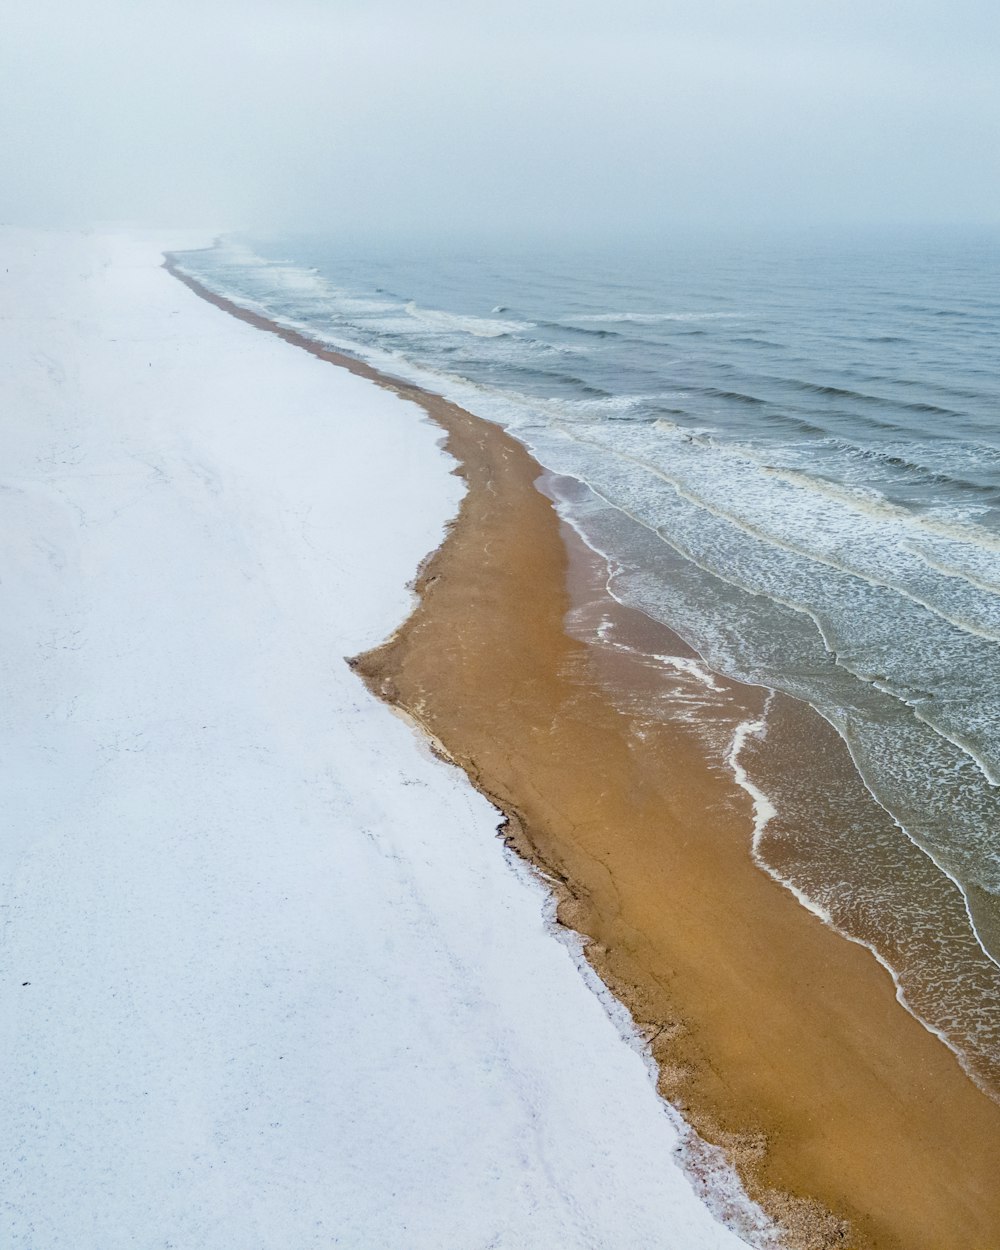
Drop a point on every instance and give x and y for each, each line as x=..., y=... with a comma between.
x=792, y=457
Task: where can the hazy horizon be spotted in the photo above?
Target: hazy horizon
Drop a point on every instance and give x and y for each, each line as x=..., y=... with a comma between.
x=372, y=117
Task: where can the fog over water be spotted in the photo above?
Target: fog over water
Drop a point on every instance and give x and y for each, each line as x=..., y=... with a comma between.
x=442, y=118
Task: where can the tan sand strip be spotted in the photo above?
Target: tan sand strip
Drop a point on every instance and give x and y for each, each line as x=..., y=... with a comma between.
x=775, y=1036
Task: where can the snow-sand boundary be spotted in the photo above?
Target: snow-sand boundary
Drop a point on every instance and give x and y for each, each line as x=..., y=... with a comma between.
x=283, y=988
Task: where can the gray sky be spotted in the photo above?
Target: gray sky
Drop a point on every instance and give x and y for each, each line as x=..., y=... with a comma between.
x=437, y=115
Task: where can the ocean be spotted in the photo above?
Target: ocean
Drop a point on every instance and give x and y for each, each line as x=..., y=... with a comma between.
x=788, y=449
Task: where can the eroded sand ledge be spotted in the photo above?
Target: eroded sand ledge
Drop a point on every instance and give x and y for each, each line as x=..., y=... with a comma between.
x=777, y=1038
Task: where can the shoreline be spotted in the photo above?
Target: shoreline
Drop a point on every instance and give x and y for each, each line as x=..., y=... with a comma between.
x=775, y=1038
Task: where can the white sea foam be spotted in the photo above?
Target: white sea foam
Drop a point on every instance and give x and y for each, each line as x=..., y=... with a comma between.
x=794, y=525
x=871, y=503
x=452, y=323
x=692, y=668
x=764, y=810
x=651, y=318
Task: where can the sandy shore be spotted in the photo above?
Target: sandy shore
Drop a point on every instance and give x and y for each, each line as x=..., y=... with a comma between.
x=777, y=1038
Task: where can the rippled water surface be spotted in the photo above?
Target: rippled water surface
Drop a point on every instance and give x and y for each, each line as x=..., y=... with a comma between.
x=792, y=450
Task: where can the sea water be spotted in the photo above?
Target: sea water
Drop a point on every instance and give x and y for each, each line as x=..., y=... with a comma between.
x=789, y=451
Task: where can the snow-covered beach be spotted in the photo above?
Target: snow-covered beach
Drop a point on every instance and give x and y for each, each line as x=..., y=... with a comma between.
x=269, y=978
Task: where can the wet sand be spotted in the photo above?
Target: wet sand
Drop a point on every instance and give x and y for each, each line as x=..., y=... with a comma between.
x=776, y=1037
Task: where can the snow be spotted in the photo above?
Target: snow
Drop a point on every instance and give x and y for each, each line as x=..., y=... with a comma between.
x=285, y=987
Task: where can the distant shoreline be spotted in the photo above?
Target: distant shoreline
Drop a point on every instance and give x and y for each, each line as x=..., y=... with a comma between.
x=774, y=1036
